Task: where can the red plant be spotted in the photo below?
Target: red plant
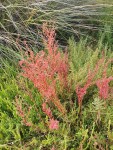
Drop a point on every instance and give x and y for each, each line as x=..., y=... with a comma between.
x=46, y=110
x=45, y=70
x=22, y=114
x=81, y=91
x=49, y=68
x=103, y=86
x=53, y=124
x=103, y=83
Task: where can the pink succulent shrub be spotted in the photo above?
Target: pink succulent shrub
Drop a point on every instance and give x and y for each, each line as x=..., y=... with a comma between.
x=103, y=86
x=46, y=110
x=81, y=91
x=53, y=124
x=45, y=70
x=22, y=113
x=103, y=83
x=50, y=68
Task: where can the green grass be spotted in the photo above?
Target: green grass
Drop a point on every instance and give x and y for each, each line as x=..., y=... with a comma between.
x=24, y=18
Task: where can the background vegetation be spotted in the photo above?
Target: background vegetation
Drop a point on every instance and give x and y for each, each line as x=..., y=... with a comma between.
x=86, y=29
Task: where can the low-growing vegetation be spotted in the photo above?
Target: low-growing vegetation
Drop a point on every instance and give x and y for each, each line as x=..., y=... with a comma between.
x=60, y=100
x=56, y=75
